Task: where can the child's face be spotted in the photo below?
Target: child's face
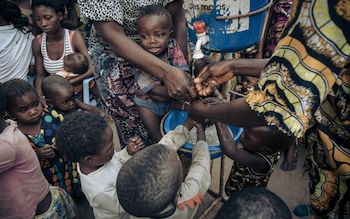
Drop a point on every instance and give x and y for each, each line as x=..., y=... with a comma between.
x=47, y=18
x=253, y=139
x=64, y=99
x=154, y=34
x=106, y=149
x=28, y=108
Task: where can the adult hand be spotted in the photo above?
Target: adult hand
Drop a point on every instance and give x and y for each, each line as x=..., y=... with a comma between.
x=179, y=85
x=195, y=109
x=211, y=76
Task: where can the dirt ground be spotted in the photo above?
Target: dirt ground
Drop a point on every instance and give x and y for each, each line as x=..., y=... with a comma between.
x=290, y=186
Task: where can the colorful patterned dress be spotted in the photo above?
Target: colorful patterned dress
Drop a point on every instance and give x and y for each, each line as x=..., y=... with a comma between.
x=58, y=171
x=305, y=90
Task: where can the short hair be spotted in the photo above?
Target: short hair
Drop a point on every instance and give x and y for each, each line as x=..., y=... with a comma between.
x=156, y=10
x=76, y=63
x=51, y=83
x=80, y=134
x=149, y=181
x=16, y=88
x=254, y=202
x=3, y=102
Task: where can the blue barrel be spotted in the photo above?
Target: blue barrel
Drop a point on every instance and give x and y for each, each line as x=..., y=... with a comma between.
x=231, y=25
x=177, y=117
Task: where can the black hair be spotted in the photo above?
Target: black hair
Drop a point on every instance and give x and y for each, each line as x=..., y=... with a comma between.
x=156, y=10
x=254, y=202
x=50, y=84
x=149, y=181
x=3, y=102
x=16, y=88
x=66, y=7
x=76, y=62
x=10, y=11
x=80, y=134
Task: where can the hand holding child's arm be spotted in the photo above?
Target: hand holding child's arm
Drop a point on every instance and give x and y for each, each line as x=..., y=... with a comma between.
x=134, y=145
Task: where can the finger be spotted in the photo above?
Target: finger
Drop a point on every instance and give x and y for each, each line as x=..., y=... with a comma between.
x=203, y=75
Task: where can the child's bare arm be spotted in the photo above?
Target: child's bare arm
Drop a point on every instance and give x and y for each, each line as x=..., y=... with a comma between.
x=240, y=155
x=200, y=132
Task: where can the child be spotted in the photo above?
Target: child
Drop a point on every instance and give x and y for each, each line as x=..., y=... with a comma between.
x=40, y=129
x=254, y=155
x=254, y=202
x=245, y=84
x=55, y=42
x=88, y=139
x=150, y=183
x=75, y=64
x=152, y=99
x=59, y=95
x=25, y=191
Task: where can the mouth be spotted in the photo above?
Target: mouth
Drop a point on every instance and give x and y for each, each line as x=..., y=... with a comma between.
x=154, y=50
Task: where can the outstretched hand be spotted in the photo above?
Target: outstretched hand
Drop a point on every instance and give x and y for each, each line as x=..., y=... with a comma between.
x=211, y=76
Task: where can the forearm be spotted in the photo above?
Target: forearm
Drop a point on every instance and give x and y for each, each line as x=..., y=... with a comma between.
x=236, y=112
x=247, y=67
x=228, y=145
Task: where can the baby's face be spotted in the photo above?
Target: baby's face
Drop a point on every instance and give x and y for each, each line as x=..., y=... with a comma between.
x=249, y=82
x=154, y=34
x=64, y=99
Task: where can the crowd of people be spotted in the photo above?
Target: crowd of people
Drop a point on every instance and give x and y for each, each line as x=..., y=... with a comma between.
x=57, y=150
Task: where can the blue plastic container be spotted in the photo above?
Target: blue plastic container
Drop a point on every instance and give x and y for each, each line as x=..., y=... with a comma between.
x=178, y=117
x=226, y=32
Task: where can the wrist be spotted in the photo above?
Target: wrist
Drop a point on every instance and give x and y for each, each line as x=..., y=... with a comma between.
x=128, y=151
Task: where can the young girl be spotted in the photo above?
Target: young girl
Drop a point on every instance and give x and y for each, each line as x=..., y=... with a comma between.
x=40, y=129
x=25, y=191
x=152, y=98
x=55, y=42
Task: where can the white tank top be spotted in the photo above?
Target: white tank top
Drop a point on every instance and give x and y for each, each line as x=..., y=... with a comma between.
x=53, y=66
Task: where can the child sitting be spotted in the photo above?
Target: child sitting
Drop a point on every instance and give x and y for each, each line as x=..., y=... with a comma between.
x=75, y=64
x=87, y=138
x=25, y=191
x=152, y=98
x=254, y=155
x=150, y=183
x=40, y=129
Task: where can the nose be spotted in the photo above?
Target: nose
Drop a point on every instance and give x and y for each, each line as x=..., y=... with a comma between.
x=33, y=111
x=43, y=23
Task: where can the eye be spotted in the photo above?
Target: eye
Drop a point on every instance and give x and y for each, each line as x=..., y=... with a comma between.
x=144, y=37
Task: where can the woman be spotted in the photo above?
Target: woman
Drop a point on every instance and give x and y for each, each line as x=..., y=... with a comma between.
x=115, y=50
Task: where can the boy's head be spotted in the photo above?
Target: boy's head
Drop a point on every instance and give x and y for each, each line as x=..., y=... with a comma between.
x=249, y=82
x=86, y=138
x=254, y=202
x=148, y=183
x=59, y=93
x=155, y=28
x=265, y=139
x=23, y=101
x=76, y=63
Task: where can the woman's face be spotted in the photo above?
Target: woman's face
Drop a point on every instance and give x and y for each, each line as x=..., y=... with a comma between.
x=47, y=19
x=154, y=34
x=27, y=108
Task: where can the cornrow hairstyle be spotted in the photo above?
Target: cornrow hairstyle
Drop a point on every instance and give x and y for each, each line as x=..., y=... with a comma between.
x=50, y=84
x=3, y=102
x=156, y=10
x=254, y=202
x=16, y=88
x=10, y=11
x=76, y=63
x=149, y=181
x=80, y=134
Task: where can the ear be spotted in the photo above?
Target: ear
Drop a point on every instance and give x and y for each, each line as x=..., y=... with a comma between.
x=88, y=159
x=60, y=15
